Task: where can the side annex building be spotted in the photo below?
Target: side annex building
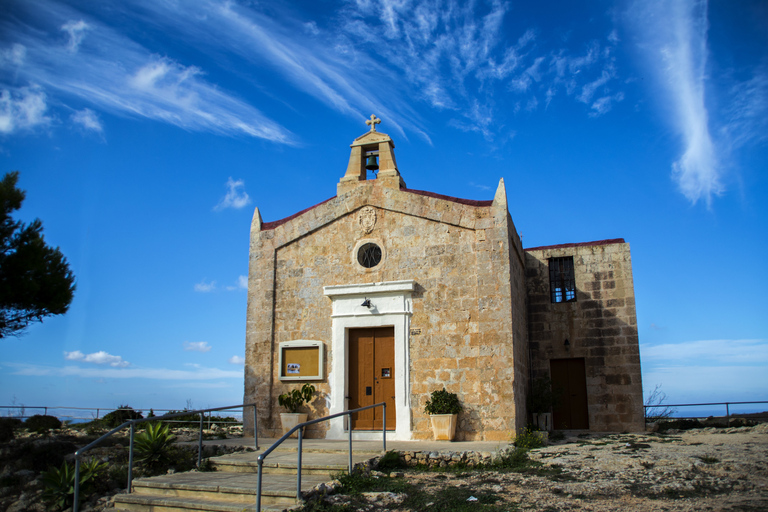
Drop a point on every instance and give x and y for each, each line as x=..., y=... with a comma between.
x=383, y=293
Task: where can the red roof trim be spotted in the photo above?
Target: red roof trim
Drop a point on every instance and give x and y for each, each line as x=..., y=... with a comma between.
x=470, y=202
x=580, y=244
x=266, y=226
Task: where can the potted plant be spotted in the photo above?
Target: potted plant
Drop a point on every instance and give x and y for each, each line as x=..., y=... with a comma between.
x=292, y=400
x=443, y=409
x=541, y=400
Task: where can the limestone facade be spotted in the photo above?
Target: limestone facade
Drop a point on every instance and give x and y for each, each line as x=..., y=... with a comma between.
x=452, y=285
x=600, y=326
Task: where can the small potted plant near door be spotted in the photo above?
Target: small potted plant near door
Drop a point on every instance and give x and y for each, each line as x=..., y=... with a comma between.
x=443, y=409
x=292, y=400
x=541, y=400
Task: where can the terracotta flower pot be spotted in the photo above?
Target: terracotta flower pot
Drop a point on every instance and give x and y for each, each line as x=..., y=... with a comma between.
x=290, y=419
x=444, y=426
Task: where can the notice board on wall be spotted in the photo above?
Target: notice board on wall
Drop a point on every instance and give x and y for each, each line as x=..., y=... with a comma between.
x=301, y=360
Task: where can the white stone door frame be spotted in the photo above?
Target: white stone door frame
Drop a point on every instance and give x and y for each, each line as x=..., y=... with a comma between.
x=391, y=305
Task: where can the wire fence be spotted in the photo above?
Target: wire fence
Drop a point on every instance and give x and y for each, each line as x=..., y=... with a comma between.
x=726, y=410
x=86, y=414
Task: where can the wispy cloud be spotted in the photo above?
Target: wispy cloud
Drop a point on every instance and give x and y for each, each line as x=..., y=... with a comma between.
x=236, y=360
x=197, y=346
x=727, y=369
x=205, y=287
x=23, y=109
x=197, y=374
x=88, y=119
x=111, y=72
x=100, y=357
x=236, y=196
x=242, y=284
x=675, y=44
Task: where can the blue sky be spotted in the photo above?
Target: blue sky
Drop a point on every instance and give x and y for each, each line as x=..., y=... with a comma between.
x=146, y=132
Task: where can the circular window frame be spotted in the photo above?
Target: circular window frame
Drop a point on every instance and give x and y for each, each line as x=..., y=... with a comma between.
x=359, y=246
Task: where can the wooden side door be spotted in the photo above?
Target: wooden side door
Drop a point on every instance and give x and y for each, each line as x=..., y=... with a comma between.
x=569, y=376
x=372, y=376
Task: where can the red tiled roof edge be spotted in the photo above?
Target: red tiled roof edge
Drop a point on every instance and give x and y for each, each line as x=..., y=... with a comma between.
x=266, y=226
x=470, y=202
x=580, y=244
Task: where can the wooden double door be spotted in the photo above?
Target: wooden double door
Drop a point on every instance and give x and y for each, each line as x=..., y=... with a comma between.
x=570, y=378
x=372, y=376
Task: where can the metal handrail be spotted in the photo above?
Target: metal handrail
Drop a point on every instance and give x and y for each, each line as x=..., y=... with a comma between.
x=726, y=404
x=300, y=428
x=132, y=424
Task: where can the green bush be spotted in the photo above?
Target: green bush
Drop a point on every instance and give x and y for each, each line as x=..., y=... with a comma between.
x=42, y=423
x=152, y=447
x=443, y=402
x=119, y=416
x=528, y=438
x=7, y=426
x=296, y=398
x=59, y=484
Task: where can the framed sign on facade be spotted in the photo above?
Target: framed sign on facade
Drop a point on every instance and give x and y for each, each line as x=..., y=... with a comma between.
x=301, y=360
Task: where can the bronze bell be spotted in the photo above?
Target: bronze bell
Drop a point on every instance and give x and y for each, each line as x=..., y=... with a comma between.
x=372, y=165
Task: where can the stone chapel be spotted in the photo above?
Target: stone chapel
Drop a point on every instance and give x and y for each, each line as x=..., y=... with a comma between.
x=383, y=293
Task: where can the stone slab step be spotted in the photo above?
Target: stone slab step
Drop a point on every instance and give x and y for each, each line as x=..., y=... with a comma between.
x=286, y=462
x=226, y=487
x=144, y=503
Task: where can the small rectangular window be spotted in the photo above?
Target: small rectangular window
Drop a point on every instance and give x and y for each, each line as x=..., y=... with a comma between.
x=562, y=283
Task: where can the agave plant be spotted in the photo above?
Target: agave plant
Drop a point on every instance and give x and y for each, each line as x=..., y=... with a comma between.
x=59, y=484
x=153, y=445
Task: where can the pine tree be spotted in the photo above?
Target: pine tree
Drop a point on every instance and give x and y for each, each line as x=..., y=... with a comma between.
x=35, y=279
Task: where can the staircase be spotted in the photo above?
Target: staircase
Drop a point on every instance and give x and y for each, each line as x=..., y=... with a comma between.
x=232, y=487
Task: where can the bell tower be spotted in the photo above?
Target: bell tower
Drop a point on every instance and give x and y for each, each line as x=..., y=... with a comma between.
x=366, y=150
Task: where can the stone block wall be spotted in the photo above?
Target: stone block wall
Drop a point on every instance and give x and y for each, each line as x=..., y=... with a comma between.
x=468, y=306
x=601, y=326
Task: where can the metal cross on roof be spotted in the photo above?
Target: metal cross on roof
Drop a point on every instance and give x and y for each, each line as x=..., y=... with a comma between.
x=373, y=121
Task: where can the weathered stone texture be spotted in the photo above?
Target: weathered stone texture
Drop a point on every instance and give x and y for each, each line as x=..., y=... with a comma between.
x=601, y=326
x=469, y=303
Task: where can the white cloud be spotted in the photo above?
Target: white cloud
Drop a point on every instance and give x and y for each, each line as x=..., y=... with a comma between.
x=236, y=196
x=236, y=360
x=76, y=31
x=116, y=74
x=88, y=119
x=14, y=55
x=676, y=49
x=100, y=357
x=197, y=346
x=725, y=369
x=197, y=374
x=242, y=284
x=23, y=109
x=204, y=287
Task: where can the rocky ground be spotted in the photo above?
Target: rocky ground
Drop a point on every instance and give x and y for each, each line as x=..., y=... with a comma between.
x=24, y=459
x=703, y=469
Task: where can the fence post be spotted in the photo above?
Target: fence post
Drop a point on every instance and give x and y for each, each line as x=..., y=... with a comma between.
x=200, y=442
x=350, y=444
x=727, y=415
x=76, y=505
x=384, y=427
x=298, y=466
x=130, y=460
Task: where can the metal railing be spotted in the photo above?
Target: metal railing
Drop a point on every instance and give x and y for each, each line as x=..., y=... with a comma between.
x=74, y=413
x=300, y=429
x=726, y=404
x=133, y=423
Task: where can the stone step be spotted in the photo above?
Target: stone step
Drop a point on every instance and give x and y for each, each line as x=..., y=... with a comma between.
x=144, y=503
x=312, y=463
x=215, y=487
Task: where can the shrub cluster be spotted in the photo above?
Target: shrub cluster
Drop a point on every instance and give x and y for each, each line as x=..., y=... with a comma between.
x=120, y=415
x=42, y=423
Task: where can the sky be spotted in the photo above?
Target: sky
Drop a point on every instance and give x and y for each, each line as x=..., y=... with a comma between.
x=145, y=133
